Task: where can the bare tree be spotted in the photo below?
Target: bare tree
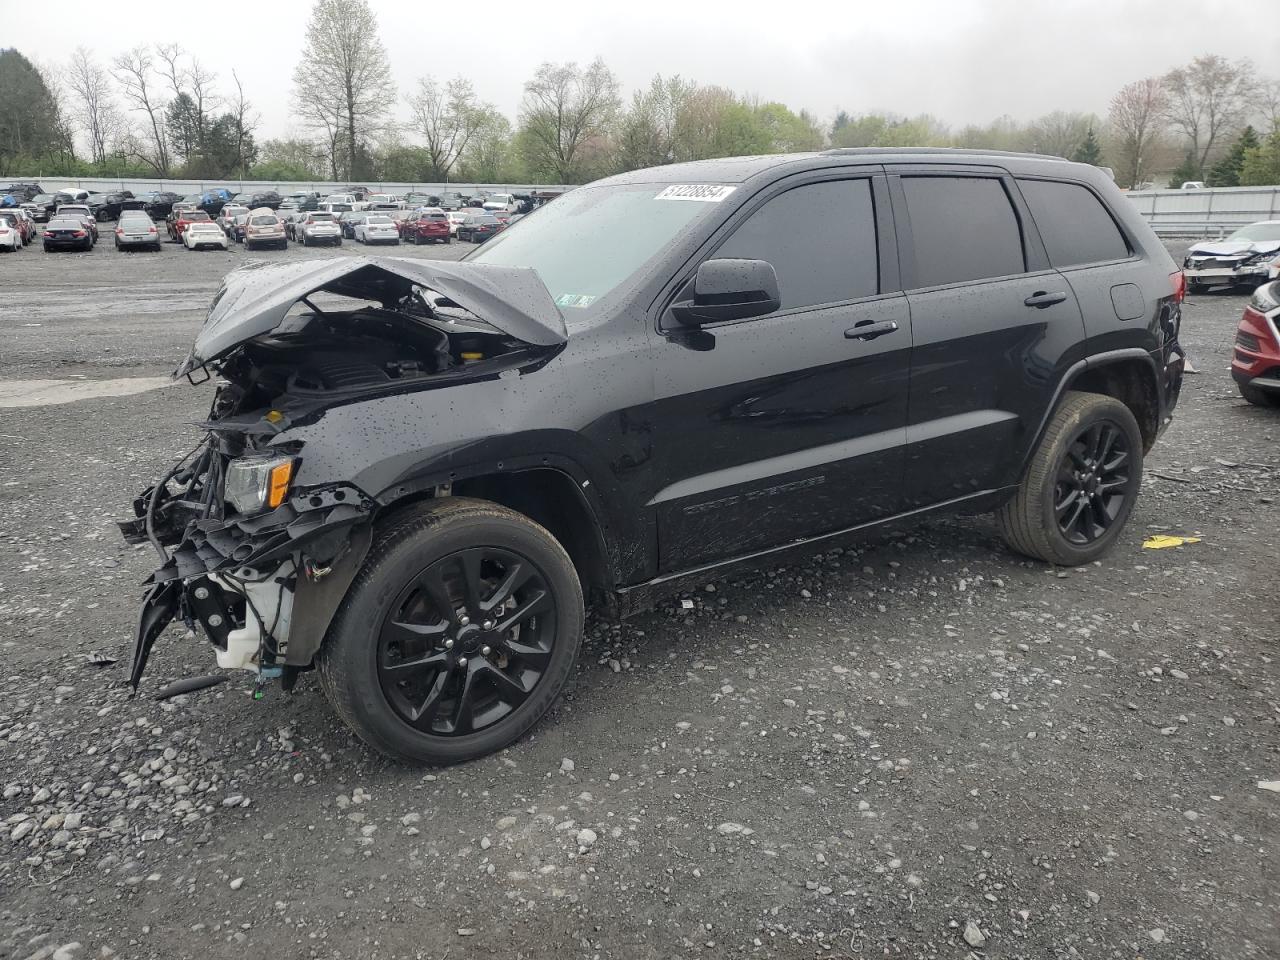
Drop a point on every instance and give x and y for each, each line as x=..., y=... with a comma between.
x=1137, y=121
x=134, y=70
x=447, y=117
x=565, y=107
x=343, y=83
x=244, y=123
x=95, y=108
x=193, y=90
x=1060, y=133
x=1208, y=100
x=1271, y=105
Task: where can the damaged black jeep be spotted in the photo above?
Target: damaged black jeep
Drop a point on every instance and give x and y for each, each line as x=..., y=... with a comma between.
x=415, y=475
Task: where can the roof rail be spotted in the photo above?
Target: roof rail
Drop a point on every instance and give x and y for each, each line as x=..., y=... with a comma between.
x=935, y=151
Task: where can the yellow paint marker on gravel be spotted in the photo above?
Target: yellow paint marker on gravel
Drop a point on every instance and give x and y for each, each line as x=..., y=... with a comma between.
x=1160, y=541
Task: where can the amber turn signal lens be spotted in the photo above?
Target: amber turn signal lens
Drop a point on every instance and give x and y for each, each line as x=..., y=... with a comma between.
x=278, y=484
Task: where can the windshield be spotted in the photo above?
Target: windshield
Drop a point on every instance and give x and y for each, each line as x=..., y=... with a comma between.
x=263, y=221
x=321, y=217
x=589, y=241
x=1257, y=231
x=382, y=220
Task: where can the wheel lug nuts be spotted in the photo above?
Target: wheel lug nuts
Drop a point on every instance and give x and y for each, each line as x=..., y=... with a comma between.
x=488, y=624
x=464, y=619
x=448, y=644
x=462, y=661
x=485, y=651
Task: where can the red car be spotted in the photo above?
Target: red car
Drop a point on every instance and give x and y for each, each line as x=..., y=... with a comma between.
x=179, y=223
x=426, y=226
x=1255, y=364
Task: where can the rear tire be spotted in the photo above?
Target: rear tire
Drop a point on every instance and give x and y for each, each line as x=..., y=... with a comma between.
x=355, y=663
x=1259, y=398
x=1032, y=522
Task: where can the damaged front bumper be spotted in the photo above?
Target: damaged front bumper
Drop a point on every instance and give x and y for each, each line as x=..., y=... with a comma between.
x=262, y=587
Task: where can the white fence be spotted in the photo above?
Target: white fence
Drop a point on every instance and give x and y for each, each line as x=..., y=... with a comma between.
x=1210, y=213
x=185, y=187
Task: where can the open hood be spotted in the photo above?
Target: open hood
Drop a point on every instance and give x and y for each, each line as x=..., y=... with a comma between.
x=1232, y=248
x=254, y=299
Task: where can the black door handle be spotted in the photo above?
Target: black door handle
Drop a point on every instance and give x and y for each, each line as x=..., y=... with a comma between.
x=870, y=329
x=1040, y=299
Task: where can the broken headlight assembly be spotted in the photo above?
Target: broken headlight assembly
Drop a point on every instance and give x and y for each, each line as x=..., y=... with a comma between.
x=253, y=484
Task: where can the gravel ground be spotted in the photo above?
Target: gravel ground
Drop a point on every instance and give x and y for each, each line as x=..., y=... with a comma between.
x=914, y=746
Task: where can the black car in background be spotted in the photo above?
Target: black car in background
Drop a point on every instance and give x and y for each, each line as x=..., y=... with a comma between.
x=417, y=490
x=160, y=203
x=107, y=206
x=267, y=198
x=22, y=191
x=67, y=233
x=43, y=206
x=479, y=227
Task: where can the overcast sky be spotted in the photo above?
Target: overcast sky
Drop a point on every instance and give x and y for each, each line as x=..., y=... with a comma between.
x=965, y=61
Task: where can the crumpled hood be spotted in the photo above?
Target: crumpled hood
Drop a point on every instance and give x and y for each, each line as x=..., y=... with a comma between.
x=254, y=299
x=1231, y=248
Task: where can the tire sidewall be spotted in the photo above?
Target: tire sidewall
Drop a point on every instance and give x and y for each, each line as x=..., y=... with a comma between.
x=352, y=645
x=1103, y=409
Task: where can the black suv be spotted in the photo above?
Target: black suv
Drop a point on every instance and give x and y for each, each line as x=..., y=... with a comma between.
x=656, y=375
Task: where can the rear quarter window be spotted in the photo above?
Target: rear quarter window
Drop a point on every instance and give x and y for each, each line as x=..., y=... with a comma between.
x=962, y=228
x=1074, y=225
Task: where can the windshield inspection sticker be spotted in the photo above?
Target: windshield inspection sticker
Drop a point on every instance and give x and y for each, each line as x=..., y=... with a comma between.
x=574, y=300
x=704, y=192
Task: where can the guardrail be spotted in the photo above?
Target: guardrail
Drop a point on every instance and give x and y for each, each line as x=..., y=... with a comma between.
x=184, y=187
x=1206, y=213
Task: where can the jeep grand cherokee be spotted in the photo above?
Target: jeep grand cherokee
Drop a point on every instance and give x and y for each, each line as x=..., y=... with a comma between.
x=414, y=472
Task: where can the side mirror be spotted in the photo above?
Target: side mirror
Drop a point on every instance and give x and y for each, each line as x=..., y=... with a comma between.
x=729, y=290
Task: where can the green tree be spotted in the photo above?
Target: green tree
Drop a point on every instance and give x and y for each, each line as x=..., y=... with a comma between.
x=342, y=85
x=565, y=109
x=1226, y=172
x=31, y=121
x=1089, y=151
x=490, y=156
x=1187, y=170
x=1261, y=167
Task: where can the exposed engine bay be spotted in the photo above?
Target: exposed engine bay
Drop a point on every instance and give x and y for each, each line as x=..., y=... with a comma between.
x=257, y=562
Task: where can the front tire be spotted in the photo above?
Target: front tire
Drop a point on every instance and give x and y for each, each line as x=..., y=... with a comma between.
x=1081, y=484
x=457, y=635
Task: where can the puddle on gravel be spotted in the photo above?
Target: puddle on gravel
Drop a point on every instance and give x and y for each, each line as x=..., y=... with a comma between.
x=44, y=393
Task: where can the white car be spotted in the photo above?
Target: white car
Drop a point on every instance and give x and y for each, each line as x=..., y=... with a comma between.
x=500, y=201
x=10, y=237
x=204, y=234
x=319, y=226
x=456, y=217
x=377, y=229
x=264, y=228
x=1250, y=256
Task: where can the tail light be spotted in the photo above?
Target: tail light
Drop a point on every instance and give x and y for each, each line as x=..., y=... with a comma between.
x=119, y=231
x=1179, y=281
x=78, y=233
x=151, y=229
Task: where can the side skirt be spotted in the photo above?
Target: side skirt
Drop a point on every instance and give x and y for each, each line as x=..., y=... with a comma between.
x=628, y=600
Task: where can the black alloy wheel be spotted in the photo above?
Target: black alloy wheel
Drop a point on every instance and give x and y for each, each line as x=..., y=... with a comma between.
x=467, y=641
x=457, y=635
x=1093, y=482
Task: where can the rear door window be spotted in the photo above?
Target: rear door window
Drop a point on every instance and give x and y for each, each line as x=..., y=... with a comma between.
x=820, y=238
x=962, y=228
x=1074, y=225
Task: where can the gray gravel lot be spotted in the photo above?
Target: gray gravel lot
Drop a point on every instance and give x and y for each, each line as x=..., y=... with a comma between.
x=914, y=746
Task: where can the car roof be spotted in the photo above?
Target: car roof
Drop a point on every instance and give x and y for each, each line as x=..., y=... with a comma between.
x=741, y=169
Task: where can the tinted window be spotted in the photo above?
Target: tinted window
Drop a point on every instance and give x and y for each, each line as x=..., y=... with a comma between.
x=1073, y=223
x=962, y=228
x=820, y=238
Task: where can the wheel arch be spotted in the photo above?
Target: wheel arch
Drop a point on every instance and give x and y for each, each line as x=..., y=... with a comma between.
x=1129, y=375
x=550, y=496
